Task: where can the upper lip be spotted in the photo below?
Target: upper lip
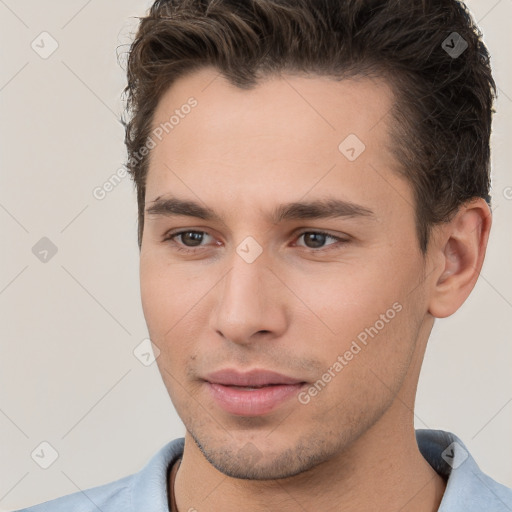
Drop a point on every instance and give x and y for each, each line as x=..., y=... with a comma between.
x=257, y=377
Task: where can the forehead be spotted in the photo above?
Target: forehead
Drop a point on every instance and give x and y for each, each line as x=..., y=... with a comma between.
x=286, y=136
x=297, y=107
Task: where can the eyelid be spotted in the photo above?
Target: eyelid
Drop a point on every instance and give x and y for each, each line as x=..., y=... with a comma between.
x=339, y=239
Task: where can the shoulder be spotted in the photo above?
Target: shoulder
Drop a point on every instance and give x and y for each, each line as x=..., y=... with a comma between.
x=130, y=493
x=107, y=497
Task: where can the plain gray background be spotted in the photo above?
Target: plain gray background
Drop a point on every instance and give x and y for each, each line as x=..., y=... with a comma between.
x=68, y=374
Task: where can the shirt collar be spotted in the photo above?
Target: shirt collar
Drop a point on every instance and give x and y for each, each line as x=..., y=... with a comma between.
x=467, y=488
x=148, y=490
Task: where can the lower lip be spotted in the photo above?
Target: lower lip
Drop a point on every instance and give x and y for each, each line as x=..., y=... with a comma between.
x=246, y=402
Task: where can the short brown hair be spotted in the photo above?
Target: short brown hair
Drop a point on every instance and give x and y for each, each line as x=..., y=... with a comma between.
x=430, y=52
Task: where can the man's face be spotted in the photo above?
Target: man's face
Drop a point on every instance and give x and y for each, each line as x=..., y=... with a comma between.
x=307, y=301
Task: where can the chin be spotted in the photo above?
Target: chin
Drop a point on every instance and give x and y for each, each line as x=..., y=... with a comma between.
x=251, y=463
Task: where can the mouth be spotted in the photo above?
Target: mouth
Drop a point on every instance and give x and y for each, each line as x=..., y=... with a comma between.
x=253, y=393
x=250, y=388
x=256, y=378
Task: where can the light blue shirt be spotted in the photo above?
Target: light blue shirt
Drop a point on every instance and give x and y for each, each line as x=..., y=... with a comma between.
x=467, y=489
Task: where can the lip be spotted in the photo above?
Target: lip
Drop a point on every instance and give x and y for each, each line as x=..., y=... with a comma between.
x=274, y=390
x=256, y=377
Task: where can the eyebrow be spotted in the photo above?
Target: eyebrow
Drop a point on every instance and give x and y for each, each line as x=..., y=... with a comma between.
x=317, y=209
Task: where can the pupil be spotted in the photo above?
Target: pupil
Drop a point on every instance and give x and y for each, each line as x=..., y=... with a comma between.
x=195, y=237
x=322, y=239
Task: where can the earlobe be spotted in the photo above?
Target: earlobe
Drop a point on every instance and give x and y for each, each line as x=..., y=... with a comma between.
x=461, y=252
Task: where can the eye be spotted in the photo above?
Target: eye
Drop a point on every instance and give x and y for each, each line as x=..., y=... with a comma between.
x=317, y=239
x=188, y=241
x=194, y=238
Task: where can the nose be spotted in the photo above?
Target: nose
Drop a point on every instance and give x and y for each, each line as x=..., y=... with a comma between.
x=249, y=303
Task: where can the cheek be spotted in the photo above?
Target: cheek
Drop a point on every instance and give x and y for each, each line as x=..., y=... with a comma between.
x=344, y=299
x=361, y=314
x=152, y=291
x=165, y=311
x=173, y=300
x=162, y=292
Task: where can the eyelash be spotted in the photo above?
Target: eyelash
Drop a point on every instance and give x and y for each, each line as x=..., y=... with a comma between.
x=180, y=248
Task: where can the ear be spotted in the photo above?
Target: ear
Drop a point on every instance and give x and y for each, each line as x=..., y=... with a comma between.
x=459, y=253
